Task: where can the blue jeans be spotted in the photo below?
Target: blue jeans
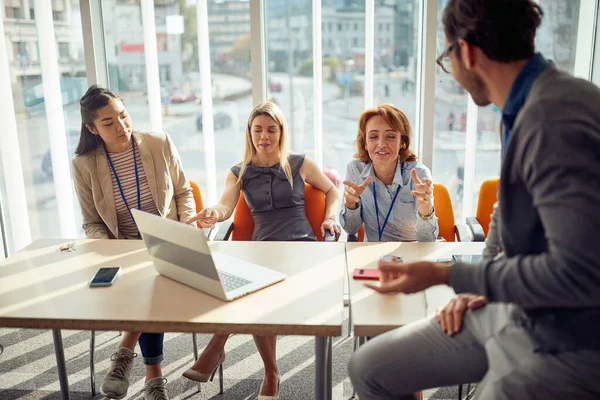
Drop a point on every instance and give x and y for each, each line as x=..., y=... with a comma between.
x=151, y=345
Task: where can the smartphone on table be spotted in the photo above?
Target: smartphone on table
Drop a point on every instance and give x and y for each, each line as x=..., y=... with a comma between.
x=105, y=276
x=373, y=273
x=366, y=273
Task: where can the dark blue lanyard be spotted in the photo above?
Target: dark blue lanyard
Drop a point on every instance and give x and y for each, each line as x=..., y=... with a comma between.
x=137, y=180
x=380, y=228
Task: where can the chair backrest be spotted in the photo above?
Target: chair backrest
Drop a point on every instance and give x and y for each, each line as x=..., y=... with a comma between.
x=488, y=195
x=314, y=201
x=197, y=196
x=443, y=209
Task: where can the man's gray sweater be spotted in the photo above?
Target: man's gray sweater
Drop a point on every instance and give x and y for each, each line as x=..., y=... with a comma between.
x=550, y=217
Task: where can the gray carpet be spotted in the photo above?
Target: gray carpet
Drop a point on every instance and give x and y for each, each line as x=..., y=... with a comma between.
x=28, y=367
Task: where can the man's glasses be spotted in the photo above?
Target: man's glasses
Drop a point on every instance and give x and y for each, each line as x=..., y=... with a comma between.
x=444, y=59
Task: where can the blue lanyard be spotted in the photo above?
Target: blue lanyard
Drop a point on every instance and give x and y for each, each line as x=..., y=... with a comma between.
x=380, y=228
x=137, y=180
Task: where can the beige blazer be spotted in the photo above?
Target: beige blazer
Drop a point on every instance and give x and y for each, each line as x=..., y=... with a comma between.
x=170, y=189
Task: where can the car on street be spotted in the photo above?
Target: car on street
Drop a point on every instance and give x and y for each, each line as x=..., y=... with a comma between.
x=274, y=86
x=221, y=120
x=181, y=96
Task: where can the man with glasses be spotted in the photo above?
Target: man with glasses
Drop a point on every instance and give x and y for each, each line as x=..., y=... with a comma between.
x=527, y=322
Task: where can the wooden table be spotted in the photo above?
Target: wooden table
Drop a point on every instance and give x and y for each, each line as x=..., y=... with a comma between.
x=44, y=288
x=373, y=313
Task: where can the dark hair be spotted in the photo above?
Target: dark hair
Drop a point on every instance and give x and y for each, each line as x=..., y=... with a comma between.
x=503, y=29
x=95, y=98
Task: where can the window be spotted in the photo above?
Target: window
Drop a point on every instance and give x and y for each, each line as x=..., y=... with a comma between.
x=63, y=50
x=58, y=15
x=343, y=92
x=556, y=39
x=450, y=124
x=231, y=88
x=12, y=12
x=165, y=73
x=395, y=63
x=596, y=66
x=41, y=202
x=290, y=73
x=46, y=197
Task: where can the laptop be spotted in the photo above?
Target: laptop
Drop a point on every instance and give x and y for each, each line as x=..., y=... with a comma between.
x=181, y=252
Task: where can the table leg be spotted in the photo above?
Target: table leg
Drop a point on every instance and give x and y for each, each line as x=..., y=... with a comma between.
x=323, y=384
x=61, y=364
x=92, y=362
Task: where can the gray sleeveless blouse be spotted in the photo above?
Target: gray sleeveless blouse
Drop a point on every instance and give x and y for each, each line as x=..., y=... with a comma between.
x=276, y=206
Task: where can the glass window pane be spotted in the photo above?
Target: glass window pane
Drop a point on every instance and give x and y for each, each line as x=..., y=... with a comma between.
x=395, y=58
x=343, y=83
x=596, y=66
x=450, y=123
x=229, y=32
x=289, y=30
x=27, y=88
x=124, y=42
x=556, y=40
x=557, y=36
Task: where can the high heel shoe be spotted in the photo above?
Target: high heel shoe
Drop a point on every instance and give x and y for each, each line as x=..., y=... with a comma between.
x=276, y=397
x=202, y=377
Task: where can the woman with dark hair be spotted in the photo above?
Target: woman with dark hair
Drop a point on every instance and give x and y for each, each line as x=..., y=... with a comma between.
x=387, y=189
x=117, y=169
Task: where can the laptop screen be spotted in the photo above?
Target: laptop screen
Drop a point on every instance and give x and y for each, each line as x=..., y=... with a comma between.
x=194, y=261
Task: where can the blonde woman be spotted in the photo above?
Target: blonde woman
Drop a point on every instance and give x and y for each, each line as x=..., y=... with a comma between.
x=117, y=169
x=387, y=189
x=273, y=185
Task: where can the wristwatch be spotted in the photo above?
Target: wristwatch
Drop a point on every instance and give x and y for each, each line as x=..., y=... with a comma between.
x=428, y=216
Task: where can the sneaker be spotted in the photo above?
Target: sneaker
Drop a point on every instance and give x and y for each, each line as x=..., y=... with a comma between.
x=155, y=389
x=116, y=381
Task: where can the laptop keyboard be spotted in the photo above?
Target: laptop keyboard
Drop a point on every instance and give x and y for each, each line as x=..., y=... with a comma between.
x=232, y=282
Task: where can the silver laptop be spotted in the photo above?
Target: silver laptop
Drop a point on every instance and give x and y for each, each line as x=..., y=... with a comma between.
x=181, y=252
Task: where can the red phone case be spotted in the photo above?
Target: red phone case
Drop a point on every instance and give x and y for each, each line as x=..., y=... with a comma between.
x=366, y=273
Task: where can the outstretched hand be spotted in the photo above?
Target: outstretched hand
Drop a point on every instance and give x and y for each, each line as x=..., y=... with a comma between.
x=399, y=277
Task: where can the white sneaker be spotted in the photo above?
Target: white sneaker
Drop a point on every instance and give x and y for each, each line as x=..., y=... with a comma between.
x=155, y=389
x=116, y=381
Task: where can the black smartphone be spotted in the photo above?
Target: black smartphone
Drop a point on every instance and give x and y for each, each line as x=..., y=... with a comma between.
x=105, y=276
x=469, y=259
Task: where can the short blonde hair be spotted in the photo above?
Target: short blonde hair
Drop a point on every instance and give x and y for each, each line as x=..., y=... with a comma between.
x=397, y=120
x=271, y=110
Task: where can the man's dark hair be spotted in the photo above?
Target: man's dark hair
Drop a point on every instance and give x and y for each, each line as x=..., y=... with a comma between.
x=503, y=29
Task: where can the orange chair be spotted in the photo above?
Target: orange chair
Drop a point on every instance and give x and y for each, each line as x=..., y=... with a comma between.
x=243, y=223
x=197, y=196
x=488, y=195
x=445, y=213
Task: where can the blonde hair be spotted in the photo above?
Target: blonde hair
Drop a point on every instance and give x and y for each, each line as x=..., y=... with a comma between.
x=397, y=120
x=271, y=110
